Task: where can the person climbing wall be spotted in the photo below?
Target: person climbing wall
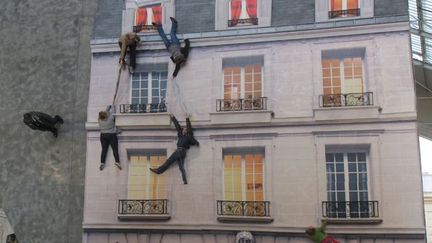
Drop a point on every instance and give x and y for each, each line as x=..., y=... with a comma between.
x=129, y=41
x=319, y=235
x=43, y=122
x=108, y=136
x=179, y=54
x=185, y=139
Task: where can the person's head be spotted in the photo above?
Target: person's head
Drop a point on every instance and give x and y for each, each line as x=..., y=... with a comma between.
x=103, y=115
x=27, y=117
x=184, y=131
x=310, y=230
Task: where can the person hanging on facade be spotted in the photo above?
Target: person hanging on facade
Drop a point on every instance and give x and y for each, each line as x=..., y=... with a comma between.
x=179, y=54
x=43, y=122
x=185, y=140
x=108, y=136
x=319, y=235
x=129, y=41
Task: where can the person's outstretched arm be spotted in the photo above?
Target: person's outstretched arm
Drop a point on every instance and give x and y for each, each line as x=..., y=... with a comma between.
x=176, y=70
x=186, y=48
x=190, y=132
x=176, y=124
x=123, y=51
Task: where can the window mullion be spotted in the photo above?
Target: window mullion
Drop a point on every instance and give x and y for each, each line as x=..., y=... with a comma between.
x=346, y=176
x=243, y=178
x=242, y=83
x=149, y=87
x=342, y=75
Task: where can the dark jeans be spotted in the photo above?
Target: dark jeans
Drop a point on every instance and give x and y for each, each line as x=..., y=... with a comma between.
x=173, y=35
x=132, y=54
x=179, y=156
x=106, y=140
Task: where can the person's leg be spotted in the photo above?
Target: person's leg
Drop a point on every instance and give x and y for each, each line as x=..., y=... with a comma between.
x=114, y=145
x=59, y=119
x=132, y=55
x=161, y=169
x=163, y=36
x=173, y=33
x=182, y=170
x=105, y=143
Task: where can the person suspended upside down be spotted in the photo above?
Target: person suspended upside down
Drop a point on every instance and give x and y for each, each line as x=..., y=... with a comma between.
x=319, y=235
x=43, y=122
x=129, y=40
x=185, y=139
x=178, y=54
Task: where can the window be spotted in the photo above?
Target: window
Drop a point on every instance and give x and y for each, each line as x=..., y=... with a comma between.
x=149, y=87
x=243, y=79
x=343, y=79
x=347, y=184
x=243, y=12
x=145, y=16
x=142, y=183
x=243, y=175
x=343, y=8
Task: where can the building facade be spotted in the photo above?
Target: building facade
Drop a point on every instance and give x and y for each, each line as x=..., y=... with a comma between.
x=305, y=112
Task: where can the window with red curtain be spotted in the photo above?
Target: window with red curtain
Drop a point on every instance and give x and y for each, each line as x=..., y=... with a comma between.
x=157, y=14
x=236, y=8
x=251, y=8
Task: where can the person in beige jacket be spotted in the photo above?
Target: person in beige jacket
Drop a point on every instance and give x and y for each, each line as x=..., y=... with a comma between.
x=129, y=40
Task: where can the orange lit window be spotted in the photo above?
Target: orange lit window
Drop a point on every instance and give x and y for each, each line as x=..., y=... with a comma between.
x=243, y=82
x=145, y=16
x=336, y=5
x=243, y=177
x=142, y=184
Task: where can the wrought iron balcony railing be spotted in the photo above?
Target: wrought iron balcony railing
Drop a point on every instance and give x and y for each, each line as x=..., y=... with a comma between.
x=143, y=207
x=344, y=13
x=350, y=209
x=143, y=108
x=139, y=28
x=232, y=22
x=244, y=208
x=241, y=104
x=352, y=99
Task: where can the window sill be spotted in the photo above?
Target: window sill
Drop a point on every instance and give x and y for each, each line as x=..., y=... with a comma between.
x=140, y=217
x=353, y=221
x=237, y=117
x=140, y=120
x=249, y=219
x=346, y=112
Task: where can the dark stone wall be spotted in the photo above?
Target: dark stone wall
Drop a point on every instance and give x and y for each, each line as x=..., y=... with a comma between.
x=108, y=19
x=44, y=66
x=391, y=7
x=195, y=15
x=292, y=12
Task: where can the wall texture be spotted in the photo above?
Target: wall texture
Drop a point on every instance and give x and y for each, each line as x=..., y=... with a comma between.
x=195, y=15
x=44, y=66
x=391, y=7
x=292, y=12
x=108, y=19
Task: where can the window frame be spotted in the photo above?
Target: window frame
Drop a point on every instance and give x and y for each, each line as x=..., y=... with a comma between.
x=152, y=30
x=322, y=8
x=243, y=82
x=149, y=87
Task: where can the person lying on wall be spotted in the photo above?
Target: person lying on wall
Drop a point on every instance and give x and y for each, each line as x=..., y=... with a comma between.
x=43, y=122
x=179, y=54
x=108, y=136
x=185, y=140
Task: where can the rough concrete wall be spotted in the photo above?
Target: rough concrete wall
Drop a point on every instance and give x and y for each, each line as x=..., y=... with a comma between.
x=108, y=19
x=195, y=15
x=292, y=12
x=391, y=7
x=44, y=66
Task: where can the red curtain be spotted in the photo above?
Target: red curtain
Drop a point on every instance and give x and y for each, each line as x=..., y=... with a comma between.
x=336, y=5
x=236, y=7
x=251, y=8
x=157, y=14
x=141, y=18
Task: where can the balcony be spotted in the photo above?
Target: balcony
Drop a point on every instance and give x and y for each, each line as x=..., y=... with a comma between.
x=344, y=13
x=145, y=28
x=143, y=108
x=250, y=211
x=252, y=21
x=241, y=104
x=351, y=99
x=152, y=209
x=351, y=211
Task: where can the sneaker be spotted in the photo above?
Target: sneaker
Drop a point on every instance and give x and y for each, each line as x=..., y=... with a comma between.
x=102, y=166
x=118, y=165
x=59, y=119
x=131, y=70
x=154, y=170
x=173, y=20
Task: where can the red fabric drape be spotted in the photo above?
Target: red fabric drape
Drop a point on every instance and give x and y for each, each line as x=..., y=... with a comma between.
x=352, y=4
x=157, y=14
x=336, y=5
x=251, y=8
x=141, y=18
x=236, y=7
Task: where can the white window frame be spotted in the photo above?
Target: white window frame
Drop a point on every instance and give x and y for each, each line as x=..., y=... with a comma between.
x=222, y=15
x=322, y=7
x=243, y=175
x=242, y=82
x=342, y=74
x=149, y=87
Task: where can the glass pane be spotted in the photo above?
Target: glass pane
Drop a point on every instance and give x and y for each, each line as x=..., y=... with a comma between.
x=339, y=167
x=340, y=196
x=361, y=157
x=352, y=182
x=352, y=167
x=135, y=100
x=362, y=167
x=155, y=83
x=353, y=196
x=339, y=157
x=330, y=168
x=329, y=157
x=352, y=157
x=363, y=196
x=135, y=85
x=135, y=93
x=363, y=181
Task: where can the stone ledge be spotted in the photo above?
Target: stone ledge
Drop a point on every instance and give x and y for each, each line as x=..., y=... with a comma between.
x=246, y=219
x=346, y=112
x=142, y=120
x=354, y=221
x=241, y=117
x=141, y=217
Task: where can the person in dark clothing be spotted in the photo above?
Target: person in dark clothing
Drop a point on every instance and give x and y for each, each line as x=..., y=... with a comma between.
x=43, y=122
x=185, y=139
x=128, y=41
x=178, y=54
x=108, y=136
